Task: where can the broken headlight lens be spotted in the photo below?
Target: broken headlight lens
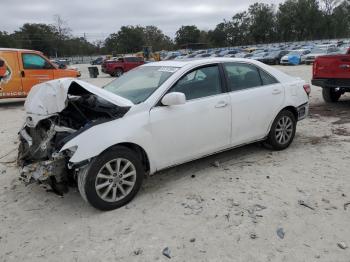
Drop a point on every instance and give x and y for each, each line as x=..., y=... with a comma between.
x=71, y=151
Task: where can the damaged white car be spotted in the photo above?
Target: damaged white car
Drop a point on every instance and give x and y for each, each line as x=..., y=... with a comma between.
x=156, y=116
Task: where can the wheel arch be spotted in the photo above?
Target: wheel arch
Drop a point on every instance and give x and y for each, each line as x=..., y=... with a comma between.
x=139, y=151
x=290, y=108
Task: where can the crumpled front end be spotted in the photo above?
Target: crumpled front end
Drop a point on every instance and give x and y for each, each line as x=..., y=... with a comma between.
x=39, y=158
x=48, y=128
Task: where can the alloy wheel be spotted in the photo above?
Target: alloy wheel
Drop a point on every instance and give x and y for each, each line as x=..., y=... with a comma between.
x=284, y=130
x=115, y=180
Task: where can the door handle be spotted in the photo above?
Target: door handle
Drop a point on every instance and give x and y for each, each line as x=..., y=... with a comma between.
x=23, y=74
x=276, y=91
x=344, y=66
x=221, y=104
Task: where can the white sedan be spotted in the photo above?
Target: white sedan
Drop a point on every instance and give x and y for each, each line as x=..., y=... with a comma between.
x=156, y=116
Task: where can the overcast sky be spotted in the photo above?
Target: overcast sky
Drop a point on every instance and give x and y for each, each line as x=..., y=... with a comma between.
x=99, y=18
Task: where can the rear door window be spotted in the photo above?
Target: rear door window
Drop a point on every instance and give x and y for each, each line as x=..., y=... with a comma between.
x=242, y=76
x=266, y=78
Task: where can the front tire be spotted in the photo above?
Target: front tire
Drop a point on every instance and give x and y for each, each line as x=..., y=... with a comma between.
x=112, y=179
x=282, y=131
x=118, y=72
x=330, y=95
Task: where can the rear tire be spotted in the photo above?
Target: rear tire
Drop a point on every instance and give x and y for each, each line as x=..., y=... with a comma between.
x=330, y=95
x=112, y=179
x=282, y=131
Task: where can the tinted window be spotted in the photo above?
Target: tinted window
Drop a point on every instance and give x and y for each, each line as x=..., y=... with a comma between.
x=199, y=83
x=132, y=59
x=267, y=79
x=33, y=61
x=242, y=76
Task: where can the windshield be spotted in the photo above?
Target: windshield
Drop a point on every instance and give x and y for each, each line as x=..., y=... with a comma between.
x=138, y=84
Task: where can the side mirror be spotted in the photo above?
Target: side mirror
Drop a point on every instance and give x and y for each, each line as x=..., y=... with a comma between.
x=173, y=99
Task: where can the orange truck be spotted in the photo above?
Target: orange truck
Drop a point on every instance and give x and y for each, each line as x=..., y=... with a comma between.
x=21, y=69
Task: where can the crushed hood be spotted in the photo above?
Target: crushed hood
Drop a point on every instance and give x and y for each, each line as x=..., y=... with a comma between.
x=51, y=97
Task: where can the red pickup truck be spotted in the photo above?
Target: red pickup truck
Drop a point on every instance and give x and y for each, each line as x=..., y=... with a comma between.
x=332, y=73
x=116, y=67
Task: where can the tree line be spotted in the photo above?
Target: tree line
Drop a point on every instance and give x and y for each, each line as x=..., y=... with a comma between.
x=292, y=20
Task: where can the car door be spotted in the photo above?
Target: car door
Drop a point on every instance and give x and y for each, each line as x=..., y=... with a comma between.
x=10, y=81
x=256, y=98
x=35, y=69
x=199, y=127
x=129, y=63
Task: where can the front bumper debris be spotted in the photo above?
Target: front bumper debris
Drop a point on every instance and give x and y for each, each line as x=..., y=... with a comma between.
x=41, y=171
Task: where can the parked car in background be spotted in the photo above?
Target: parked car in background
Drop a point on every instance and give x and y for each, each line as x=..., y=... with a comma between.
x=156, y=116
x=121, y=65
x=203, y=55
x=258, y=56
x=25, y=68
x=97, y=61
x=227, y=53
x=273, y=57
x=294, y=57
x=59, y=64
x=310, y=58
x=332, y=73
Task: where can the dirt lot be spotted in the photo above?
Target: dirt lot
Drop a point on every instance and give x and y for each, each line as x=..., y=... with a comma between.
x=200, y=211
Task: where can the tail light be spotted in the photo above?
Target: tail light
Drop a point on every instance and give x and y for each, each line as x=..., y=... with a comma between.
x=307, y=89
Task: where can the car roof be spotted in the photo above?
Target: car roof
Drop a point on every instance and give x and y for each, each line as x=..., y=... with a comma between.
x=198, y=61
x=18, y=50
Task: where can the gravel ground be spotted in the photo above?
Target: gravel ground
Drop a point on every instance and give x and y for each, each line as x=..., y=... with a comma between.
x=252, y=205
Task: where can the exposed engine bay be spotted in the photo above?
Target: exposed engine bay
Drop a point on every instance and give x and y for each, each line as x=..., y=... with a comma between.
x=39, y=155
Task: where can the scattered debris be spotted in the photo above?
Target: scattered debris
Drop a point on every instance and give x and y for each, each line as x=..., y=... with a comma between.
x=268, y=177
x=166, y=252
x=325, y=200
x=342, y=245
x=259, y=207
x=343, y=195
x=216, y=164
x=331, y=208
x=346, y=205
x=192, y=240
x=341, y=131
x=302, y=203
x=232, y=203
x=138, y=252
x=8, y=153
x=253, y=236
x=193, y=176
x=194, y=205
x=227, y=216
x=280, y=233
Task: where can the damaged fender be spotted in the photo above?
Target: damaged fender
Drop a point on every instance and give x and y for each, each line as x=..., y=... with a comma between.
x=97, y=139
